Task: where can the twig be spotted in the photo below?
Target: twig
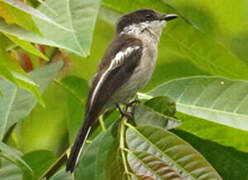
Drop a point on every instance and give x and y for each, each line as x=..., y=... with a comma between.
x=55, y=166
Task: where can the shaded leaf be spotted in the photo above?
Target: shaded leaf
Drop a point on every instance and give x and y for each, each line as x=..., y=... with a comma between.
x=77, y=90
x=147, y=165
x=144, y=115
x=9, y=171
x=183, y=158
x=101, y=159
x=230, y=163
x=39, y=161
x=14, y=156
x=62, y=175
x=158, y=111
x=216, y=99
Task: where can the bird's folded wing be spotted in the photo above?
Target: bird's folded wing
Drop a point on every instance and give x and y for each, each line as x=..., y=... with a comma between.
x=116, y=72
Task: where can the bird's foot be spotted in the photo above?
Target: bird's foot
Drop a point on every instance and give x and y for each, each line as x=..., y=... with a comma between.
x=126, y=114
x=132, y=103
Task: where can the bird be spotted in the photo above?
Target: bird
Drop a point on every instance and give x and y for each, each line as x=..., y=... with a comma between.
x=125, y=68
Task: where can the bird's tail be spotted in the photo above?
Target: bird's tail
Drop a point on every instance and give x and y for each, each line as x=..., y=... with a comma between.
x=78, y=145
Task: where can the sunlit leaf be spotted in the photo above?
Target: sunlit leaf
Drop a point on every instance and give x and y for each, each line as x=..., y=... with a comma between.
x=26, y=46
x=13, y=15
x=78, y=15
x=216, y=99
x=35, y=13
x=20, y=77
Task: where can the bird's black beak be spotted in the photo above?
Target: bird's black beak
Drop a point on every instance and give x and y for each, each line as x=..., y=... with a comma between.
x=169, y=17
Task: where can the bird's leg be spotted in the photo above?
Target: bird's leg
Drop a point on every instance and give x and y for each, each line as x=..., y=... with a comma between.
x=131, y=103
x=126, y=114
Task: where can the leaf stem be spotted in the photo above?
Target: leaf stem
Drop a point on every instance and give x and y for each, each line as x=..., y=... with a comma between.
x=122, y=147
x=102, y=123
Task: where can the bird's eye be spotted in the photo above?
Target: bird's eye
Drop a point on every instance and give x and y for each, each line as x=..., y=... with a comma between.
x=148, y=16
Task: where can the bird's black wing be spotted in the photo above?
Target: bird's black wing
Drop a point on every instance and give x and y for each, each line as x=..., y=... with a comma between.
x=115, y=69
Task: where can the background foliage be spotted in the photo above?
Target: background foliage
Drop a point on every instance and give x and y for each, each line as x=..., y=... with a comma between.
x=193, y=111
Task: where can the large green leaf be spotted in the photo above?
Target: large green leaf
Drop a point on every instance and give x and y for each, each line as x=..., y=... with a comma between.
x=174, y=151
x=213, y=98
x=15, y=157
x=16, y=103
x=230, y=163
x=148, y=165
x=218, y=133
x=101, y=159
x=77, y=90
x=78, y=15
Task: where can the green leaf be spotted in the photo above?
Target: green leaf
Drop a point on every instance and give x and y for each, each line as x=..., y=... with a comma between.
x=78, y=15
x=35, y=13
x=26, y=46
x=20, y=77
x=148, y=165
x=101, y=159
x=181, y=157
x=158, y=111
x=213, y=98
x=16, y=103
x=62, y=175
x=39, y=161
x=77, y=89
x=211, y=131
x=14, y=156
x=13, y=15
x=6, y=101
x=23, y=34
x=9, y=171
x=223, y=158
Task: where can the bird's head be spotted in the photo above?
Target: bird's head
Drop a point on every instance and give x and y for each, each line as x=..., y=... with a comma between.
x=139, y=21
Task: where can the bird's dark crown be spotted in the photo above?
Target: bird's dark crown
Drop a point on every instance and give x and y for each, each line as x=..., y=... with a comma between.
x=136, y=17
